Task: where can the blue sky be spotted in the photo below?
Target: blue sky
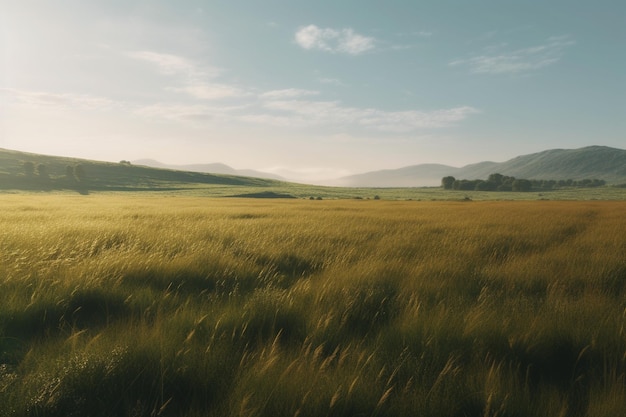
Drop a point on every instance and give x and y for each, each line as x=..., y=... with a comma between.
x=311, y=90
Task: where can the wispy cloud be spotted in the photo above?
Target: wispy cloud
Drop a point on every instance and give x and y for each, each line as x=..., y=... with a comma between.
x=196, y=81
x=520, y=60
x=211, y=91
x=169, y=64
x=187, y=113
x=288, y=93
x=334, y=40
x=44, y=99
x=287, y=109
x=306, y=113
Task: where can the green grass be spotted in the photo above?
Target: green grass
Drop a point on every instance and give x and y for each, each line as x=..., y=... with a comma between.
x=186, y=306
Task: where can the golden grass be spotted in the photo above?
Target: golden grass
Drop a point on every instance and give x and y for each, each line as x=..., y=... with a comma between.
x=195, y=306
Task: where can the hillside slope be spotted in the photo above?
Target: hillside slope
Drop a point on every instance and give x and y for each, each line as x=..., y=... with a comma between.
x=599, y=162
x=592, y=162
x=82, y=174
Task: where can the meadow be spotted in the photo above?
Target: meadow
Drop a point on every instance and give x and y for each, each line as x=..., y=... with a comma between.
x=149, y=305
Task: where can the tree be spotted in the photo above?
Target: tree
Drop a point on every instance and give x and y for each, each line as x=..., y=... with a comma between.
x=79, y=172
x=465, y=185
x=448, y=182
x=521, y=185
x=485, y=186
x=29, y=169
x=42, y=171
x=69, y=172
x=496, y=178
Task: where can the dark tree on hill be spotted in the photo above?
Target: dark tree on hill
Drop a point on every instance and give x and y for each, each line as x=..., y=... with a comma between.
x=29, y=169
x=79, y=172
x=69, y=172
x=42, y=171
x=448, y=182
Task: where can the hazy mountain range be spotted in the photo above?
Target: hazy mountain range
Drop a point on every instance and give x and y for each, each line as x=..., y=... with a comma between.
x=213, y=168
x=591, y=162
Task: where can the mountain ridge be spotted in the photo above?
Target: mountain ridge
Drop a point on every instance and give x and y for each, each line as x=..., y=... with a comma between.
x=213, y=168
x=590, y=162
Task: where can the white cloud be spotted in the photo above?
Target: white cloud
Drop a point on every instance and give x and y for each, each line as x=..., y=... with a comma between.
x=288, y=93
x=211, y=91
x=180, y=112
x=185, y=113
x=520, y=60
x=333, y=40
x=41, y=99
x=287, y=108
x=196, y=80
x=169, y=64
x=306, y=113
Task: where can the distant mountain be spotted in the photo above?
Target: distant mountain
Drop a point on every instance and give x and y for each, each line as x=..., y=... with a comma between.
x=214, y=168
x=411, y=176
x=592, y=162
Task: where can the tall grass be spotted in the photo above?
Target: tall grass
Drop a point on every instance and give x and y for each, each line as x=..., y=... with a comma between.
x=192, y=307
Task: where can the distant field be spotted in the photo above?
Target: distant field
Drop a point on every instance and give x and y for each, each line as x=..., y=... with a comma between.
x=129, y=305
x=303, y=191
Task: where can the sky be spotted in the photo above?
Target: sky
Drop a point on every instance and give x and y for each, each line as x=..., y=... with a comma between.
x=311, y=90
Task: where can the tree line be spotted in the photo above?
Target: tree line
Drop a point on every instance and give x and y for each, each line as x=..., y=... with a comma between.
x=42, y=177
x=72, y=173
x=499, y=182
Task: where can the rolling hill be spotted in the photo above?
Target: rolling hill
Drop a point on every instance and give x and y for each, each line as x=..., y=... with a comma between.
x=592, y=162
x=86, y=175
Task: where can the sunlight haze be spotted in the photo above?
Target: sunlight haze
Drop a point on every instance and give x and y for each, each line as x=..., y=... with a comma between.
x=311, y=90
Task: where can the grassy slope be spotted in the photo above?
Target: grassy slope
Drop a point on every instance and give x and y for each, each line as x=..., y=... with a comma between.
x=108, y=176
x=128, y=306
x=591, y=162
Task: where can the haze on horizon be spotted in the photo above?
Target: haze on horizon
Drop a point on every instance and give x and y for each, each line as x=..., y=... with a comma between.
x=311, y=90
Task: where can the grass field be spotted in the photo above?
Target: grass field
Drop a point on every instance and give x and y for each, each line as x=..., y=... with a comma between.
x=185, y=306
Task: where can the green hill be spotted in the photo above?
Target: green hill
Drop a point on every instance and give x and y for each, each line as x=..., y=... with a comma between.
x=591, y=162
x=28, y=171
